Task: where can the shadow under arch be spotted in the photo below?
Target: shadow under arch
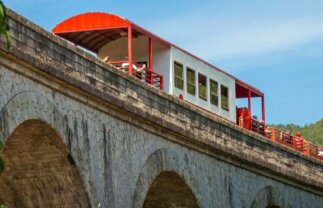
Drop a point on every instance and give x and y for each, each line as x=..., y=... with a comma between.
x=267, y=197
x=39, y=172
x=161, y=180
x=169, y=190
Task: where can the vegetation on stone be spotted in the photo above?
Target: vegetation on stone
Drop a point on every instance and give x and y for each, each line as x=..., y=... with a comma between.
x=4, y=30
x=4, y=26
x=312, y=132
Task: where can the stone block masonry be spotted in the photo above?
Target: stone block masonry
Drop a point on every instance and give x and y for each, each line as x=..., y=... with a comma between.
x=125, y=143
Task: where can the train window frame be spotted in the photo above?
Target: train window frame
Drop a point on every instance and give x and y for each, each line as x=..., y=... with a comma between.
x=190, y=84
x=225, y=98
x=179, y=80
x=202, y=86
x=214, y=93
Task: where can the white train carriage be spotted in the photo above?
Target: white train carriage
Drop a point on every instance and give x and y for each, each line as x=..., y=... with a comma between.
x=160, y=63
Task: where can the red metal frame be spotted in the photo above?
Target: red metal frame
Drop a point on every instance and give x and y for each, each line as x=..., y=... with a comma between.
x=96, y=21
x=152, y=78
x=151, y=64
x=263, y=109
x=150, y=49
x=118, y=62
x=249, y=102
x=245, y=91
x=130, y=50
x=291, y=141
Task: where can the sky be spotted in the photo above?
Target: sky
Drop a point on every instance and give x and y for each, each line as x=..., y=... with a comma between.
x=276, y=46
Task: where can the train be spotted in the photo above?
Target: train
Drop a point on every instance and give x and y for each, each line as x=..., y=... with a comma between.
x=159, y=63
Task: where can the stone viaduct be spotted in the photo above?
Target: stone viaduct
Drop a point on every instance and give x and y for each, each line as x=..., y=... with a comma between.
x=80, y=133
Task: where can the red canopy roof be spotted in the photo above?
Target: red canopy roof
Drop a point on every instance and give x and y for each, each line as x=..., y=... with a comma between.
x=242, y=90
x=95, y=29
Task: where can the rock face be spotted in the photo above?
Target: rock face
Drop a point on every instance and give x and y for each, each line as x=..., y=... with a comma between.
x=79, y=133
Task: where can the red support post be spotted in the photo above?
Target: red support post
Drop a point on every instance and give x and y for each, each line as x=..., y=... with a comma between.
x=273, y=134
x=162, y=83
x=150, y=49
x=150, y=45
x=307, y=146
x=130, y=60
x=263, y=109
x=249, y=101
x=294, y=142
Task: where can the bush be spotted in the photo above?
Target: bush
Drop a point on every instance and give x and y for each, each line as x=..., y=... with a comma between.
x=4, y=26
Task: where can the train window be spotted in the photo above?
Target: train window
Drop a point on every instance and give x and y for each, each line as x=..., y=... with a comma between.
x=178, y=78
x=224, y=98
x=214, y=98
x=190, y=81
x=202, y=86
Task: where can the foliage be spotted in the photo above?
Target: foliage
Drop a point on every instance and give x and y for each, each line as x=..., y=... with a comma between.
x=4, y=26
x=312, y=132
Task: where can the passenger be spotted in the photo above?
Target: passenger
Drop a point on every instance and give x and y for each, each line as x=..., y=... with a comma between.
x=241, y=117
x=262, y=127
x=288, y=137
x=136, y=68
x=255, y=124
x=320, y=152
x=298, y=141
x=282, y=136
x=268, y=132
x=106, y=59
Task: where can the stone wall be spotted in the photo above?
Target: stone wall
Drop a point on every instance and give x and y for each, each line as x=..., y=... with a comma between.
x=122, y=134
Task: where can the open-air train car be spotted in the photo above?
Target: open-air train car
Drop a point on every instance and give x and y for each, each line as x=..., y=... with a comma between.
x=168, y=67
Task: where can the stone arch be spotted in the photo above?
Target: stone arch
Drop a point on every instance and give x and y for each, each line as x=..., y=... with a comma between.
x=39, y=171
x=31, y=105
x=268, y=197
x=164, y=168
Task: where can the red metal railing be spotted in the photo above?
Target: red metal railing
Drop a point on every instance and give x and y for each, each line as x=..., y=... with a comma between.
x=294, y=142
x=245, y=120
x=118, y=62
x=275, y=135
x=152, y=78
x=281, y=137
x=315, y=150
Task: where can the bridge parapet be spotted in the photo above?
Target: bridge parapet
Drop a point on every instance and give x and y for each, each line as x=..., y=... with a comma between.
x=54, y=62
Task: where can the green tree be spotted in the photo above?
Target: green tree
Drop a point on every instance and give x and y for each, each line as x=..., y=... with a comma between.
x=311, y=132
x=4, y=26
